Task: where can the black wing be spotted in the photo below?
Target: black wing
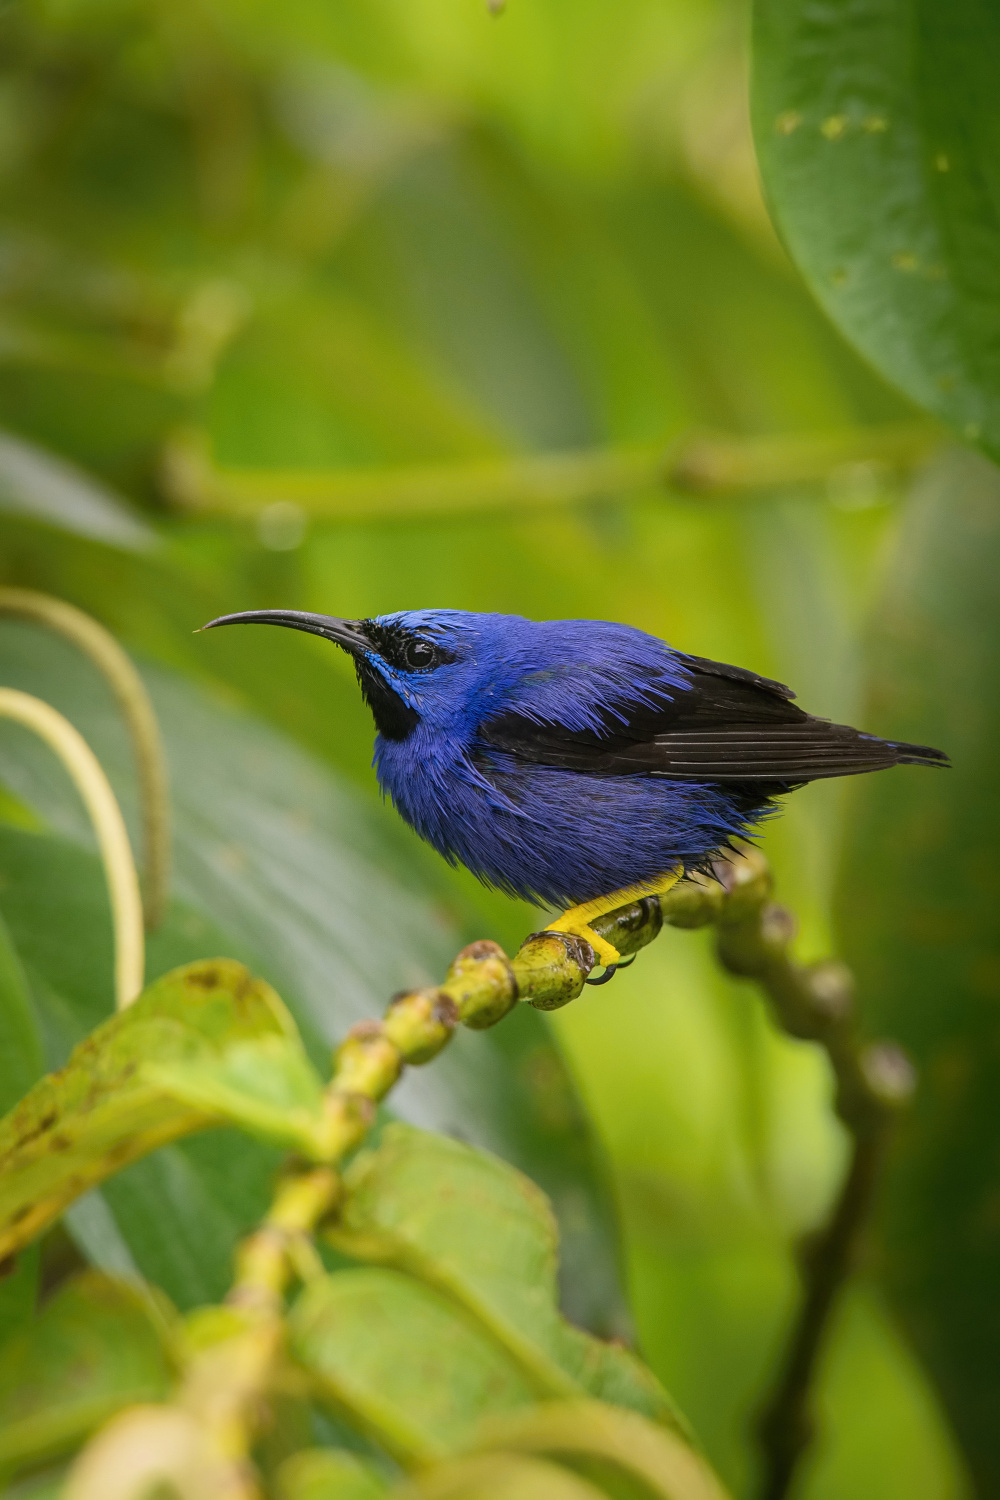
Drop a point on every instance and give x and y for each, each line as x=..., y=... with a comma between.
x=729, y=726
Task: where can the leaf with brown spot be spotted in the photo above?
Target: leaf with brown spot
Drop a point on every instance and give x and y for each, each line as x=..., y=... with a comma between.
x=188, y=1054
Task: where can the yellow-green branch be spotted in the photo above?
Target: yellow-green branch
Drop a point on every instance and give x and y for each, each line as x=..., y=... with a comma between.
x=708, y=465
x=109, y=826
x=133, y=701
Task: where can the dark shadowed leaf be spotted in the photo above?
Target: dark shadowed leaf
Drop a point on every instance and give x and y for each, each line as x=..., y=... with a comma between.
x=20, y=1064
x=46, y=1486
x=879, y=138
x=96, y=1346
x=21, y=1059
x=18, y=1290
x=918, y=903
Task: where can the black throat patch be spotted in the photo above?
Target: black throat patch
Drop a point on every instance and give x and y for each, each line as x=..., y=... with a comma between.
x=394, y=719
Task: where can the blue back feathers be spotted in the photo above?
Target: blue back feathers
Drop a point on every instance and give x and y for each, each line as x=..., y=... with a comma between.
x=537, y=831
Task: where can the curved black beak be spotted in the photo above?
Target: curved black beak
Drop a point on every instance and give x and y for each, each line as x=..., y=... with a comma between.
x=345, y=633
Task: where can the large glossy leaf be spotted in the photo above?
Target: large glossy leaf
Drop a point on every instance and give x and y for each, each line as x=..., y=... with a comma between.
x=919, y=911
x=878, y=137
x=278, y=864
x=96, y=1346
x=467, y=1223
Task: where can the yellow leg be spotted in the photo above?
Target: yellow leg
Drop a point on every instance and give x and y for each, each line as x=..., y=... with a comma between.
x=577, y=920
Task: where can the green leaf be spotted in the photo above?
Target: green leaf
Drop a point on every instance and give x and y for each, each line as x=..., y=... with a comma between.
x=96, y=1346
x=17, y=813
x=878, y=137
x=20, y=1064
x=918, y=904
x=268, y=1086
x=484, y=1235
x=327, y=1474
x=92, y=1226
x=18, y=1291
x=402, y=1361
x=21, y=1059
x=211, y=1189
x=114, y=1102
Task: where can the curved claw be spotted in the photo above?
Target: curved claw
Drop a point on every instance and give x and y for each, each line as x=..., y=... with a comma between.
x=610, y=970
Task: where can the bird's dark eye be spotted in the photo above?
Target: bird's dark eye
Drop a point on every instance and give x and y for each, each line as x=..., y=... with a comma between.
x=418, y=654
x=402, y=648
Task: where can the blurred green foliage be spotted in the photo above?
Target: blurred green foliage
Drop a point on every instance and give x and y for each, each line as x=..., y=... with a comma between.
x=321, y=237
x=891, y=107
x=96, y=1345
x=929, y=952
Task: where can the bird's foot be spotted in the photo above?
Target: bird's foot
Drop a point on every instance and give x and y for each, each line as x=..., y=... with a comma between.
x=577, y=919
x=575, y=923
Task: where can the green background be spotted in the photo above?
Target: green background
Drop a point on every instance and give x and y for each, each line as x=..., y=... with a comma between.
x=379, y=234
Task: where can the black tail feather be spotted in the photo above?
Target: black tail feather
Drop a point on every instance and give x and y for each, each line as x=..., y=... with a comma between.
x=918, y=755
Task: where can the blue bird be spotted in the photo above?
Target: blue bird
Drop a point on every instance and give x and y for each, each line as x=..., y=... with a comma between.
x=578, y=763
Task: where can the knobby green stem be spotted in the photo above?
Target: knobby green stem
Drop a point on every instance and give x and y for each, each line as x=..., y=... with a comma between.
x=706, y=465
x=873, y=1082
x=228, y=1382
x=133, y=701
x=109, y=826
x=225, y=1383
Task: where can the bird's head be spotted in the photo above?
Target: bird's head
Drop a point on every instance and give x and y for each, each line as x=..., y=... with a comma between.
x=423, y=665
x=448, y=671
